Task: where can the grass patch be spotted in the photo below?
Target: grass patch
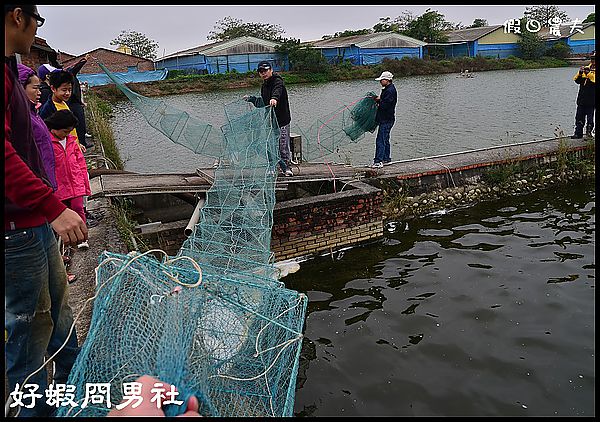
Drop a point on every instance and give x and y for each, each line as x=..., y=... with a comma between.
x=122, y=210
x=99, y=113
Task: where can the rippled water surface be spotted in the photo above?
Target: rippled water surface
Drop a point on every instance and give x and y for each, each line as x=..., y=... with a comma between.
x=436, y=114
x=482, y=311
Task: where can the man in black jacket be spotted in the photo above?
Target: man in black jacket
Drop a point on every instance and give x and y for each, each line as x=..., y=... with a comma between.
x=386, y=118
x=586, y=98
x=274, y=94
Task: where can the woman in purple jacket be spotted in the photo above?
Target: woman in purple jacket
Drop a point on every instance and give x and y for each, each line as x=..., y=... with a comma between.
x=41, y=134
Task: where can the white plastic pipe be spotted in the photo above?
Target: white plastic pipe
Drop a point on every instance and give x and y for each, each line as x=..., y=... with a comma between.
x=189, y=229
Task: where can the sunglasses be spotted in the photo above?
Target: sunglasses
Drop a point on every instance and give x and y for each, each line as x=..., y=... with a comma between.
x=38, y=18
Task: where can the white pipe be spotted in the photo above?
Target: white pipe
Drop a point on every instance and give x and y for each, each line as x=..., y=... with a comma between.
x=195, y=217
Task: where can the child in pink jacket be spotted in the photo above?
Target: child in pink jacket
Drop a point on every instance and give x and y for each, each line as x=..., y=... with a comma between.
x=71, y=169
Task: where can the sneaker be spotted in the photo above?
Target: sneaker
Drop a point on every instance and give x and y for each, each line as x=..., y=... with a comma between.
x=87, y=135
x=294, y=162
x=377, y=165
x=386, y=162
x=289, y=173
x=83, y=245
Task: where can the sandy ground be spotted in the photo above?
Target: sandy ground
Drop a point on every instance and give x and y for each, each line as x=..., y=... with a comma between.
x=84, y=262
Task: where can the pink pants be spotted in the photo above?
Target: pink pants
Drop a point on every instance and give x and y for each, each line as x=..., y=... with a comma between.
x=76, y=204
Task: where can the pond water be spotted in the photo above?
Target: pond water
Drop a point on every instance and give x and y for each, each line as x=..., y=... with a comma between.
x=482, y=311
x=436, y=114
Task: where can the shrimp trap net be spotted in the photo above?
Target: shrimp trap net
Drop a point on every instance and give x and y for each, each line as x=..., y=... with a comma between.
x=213, y=320
x=347, y=124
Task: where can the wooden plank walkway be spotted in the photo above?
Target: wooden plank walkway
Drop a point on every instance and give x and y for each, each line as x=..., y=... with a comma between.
x=138, y=184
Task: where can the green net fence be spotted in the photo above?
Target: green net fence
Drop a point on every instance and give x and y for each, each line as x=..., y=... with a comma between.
x=213, y=320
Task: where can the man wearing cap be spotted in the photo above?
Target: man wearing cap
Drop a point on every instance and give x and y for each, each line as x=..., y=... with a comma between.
x=385, y=116
x=273, y=93
x=586, y=98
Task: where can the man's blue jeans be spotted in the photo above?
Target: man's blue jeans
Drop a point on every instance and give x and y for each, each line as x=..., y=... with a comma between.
x=382, y=143
x=37, y=312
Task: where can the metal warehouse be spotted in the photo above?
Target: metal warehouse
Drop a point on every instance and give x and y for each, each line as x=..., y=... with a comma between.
x=240, y=55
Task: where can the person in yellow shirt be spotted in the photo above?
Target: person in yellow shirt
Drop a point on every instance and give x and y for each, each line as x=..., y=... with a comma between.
x=586, y=99
x=61, y=84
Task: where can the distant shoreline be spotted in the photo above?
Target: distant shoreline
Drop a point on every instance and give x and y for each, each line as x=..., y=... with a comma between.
x=179, y=82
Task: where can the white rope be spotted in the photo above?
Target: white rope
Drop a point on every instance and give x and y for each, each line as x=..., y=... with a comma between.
x=136, y=257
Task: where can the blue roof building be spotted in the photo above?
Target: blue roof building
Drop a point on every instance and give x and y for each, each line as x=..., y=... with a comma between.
x=369, y=49
x=487, y=41
x=580, y=43
x=240, y=55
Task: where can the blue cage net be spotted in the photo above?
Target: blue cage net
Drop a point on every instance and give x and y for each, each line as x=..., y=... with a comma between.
x=212, y=320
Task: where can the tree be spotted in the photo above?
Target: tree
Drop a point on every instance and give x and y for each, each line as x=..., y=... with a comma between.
x=590, y=18
x=478, y=23
x=398, y=24
x=302, y=58
x=429, y=27
x=229, y=28
x=350, y=32
x=531, y=45
x=543, y=14
x=139, y=44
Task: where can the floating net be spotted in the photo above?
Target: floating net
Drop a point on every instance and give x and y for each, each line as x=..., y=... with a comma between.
x=213, y=320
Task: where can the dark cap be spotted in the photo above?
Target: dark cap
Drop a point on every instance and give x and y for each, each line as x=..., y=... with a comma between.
x=264, y=65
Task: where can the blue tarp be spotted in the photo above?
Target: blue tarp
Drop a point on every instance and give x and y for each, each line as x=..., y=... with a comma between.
x=96, y=79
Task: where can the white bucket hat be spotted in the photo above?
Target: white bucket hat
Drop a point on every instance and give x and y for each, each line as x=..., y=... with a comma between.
x=385, y=75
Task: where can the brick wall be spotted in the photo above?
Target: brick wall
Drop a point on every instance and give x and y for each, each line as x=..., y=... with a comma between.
x=169, y=237
x=322, y=223
x=35, y=58
x=113, y=60
x=305, y=226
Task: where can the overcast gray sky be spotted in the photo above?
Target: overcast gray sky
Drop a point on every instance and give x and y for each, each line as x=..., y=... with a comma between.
x=79, y=29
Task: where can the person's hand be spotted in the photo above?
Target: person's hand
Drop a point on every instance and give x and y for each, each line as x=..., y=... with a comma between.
x=147, y=407
x=273, y=102
x=581, y=69
x=70, y=227
x=377, y=98
x=82, y=148
x=87, y=56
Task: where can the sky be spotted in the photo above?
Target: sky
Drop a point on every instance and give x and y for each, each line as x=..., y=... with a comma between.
x=79, y=29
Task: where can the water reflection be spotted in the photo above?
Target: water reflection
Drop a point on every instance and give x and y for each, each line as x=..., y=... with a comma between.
x=482, y=311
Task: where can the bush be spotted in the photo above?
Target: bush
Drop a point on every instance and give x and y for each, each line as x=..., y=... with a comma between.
x=560, y=50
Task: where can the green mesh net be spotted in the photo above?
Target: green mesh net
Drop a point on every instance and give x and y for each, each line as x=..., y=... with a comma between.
x=213, y=320
x=347, y=124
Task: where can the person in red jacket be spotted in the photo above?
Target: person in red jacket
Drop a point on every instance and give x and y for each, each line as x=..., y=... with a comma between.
x=70, y=166
x=38, y=318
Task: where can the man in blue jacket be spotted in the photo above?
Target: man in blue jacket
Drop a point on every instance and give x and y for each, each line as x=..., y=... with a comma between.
x=386, y=118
